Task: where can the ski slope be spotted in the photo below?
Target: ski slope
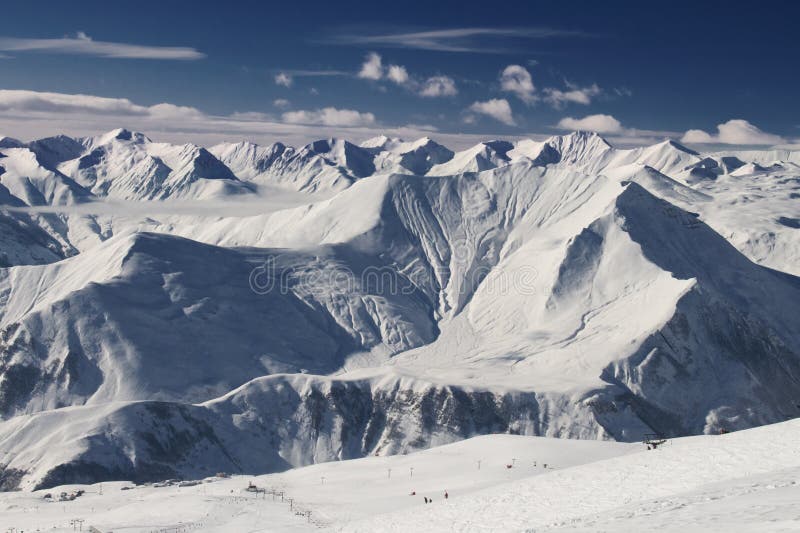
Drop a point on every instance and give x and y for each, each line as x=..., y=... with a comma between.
x=742, y=481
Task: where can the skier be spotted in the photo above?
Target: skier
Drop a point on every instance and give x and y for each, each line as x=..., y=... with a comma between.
x=445, y=495
x=426, y=499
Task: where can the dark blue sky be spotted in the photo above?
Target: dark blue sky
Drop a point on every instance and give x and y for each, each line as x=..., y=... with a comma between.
x=662, y=67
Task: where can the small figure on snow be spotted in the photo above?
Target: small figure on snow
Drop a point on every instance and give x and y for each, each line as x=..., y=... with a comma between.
x=445, y=495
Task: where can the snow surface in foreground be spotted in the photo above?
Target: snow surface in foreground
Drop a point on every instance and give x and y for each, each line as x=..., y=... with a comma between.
x=744, y=481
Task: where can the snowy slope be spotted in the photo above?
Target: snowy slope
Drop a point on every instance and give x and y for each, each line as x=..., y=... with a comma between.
x=561, y=287
x=626, y=491
x=30, y=181
x=74, y=333
x=743, y=481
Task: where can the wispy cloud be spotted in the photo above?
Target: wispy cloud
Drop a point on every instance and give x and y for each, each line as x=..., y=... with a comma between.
x=452, y=39
x=22, y=101
x=283, y=79
x=573, y=94
x=82, y=44
x=437, y=86
x=286, y=77
x=25, y=106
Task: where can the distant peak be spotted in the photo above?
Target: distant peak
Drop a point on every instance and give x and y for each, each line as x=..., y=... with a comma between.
x=10, y=142
x=498, y=145
x=679, y=146
x=120, y=134
x=579, y=138
x=324, y=145
x=381, y=141
x=588, y=136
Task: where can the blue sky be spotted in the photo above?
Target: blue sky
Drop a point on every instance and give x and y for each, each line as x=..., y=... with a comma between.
x=639, y=71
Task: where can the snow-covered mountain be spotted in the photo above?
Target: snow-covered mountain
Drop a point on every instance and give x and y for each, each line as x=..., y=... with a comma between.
x=331, y=164
x=167, y=309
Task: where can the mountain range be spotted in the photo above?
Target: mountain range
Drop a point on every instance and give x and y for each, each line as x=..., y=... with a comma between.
x=174, y=310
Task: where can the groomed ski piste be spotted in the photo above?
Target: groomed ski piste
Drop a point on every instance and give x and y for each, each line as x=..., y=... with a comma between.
x=740, y=481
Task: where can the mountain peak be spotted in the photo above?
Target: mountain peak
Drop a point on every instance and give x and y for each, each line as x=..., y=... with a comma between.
x=682, y=148
x=380, y=142
x=10, y=142
x=115, y=135
x=583, y=136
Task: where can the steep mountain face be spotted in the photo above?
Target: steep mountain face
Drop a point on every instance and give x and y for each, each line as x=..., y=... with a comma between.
x=74, y=334
x=128, y=166
x=329, y=165
x=404, y=296
x=417, y=157
x=23, y=242
x=483, y=156
x=30, y=181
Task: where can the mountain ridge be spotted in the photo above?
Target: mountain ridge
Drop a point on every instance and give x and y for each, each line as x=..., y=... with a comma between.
x=341, y=300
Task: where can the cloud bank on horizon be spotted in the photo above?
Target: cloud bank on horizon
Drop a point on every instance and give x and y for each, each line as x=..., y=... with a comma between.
x=467, y=79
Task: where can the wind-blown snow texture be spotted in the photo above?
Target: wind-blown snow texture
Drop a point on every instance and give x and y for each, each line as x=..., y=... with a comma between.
x=562, y=288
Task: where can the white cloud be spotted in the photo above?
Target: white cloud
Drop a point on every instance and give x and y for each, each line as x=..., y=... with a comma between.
x=173, y=111
x=497, y=108
x=281, y=102
x=283, y=79
x=578, y=95
x=517, y=80
x=436, y=86
x=372, y=68
x=22, y=105
x=22, y=101
x=82, y=44
x=330, y=116
x=596, y=123
x=33, y=115
x=736, y=131
x=609, y=126
x=398, y=74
